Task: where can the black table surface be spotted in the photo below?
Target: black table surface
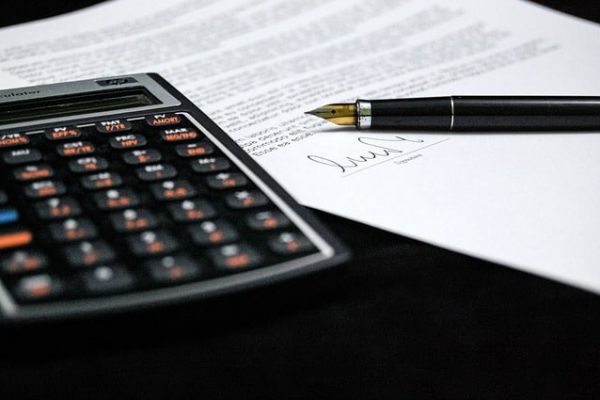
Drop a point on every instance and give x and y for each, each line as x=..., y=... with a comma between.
x=403, y=319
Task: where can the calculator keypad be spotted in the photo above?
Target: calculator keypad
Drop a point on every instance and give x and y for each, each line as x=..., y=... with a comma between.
x=124, y=206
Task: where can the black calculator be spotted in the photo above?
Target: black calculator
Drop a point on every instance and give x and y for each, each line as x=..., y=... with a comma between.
x=118, y=193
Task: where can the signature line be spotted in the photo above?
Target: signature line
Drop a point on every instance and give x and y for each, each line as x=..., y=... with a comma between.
x=393, y=158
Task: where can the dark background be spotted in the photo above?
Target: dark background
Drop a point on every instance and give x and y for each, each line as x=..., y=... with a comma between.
x=404, y=319
x=14, y=12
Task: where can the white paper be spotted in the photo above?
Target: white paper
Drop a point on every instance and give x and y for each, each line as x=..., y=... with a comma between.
x=529, y=201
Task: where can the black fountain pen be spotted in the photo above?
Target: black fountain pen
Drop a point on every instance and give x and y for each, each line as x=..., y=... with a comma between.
x=469, y=113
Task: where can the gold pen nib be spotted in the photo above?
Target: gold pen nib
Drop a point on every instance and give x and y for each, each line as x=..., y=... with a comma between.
x=340, y=114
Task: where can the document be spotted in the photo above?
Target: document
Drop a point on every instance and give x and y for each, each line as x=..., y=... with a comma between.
x=529, y=201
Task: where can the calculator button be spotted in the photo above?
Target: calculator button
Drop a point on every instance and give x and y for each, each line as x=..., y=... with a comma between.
x=150, y=243
x=178, y=134
x=226, y=180
x=156, y=172
x=127, y=141
x=213, y=164
x=163, y=119
x=133, y=220
x=13, y=139
x=113, y=126
x=23, y=261
x=72, y=230
x=37, y=287
x=16, y=237
x=267, y=220
x=145, y=156
x=88, y=164
x=289, y=243
x=246, y=199
x=102, y=180
x=191, y=210
x=55, y=208
x=194, y=149
x=41, y=189
x=114, y=199
x=8, y=216
x=72, y=149
x=172, y=269
x=62, y=133
x=107, y=279
x=33, y=172
x=234, y=257
x=173, y=190
x=212, y=233
x=21, y=156
x=87, y=254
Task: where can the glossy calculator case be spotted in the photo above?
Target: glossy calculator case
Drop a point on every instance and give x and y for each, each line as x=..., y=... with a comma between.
x=119, y=193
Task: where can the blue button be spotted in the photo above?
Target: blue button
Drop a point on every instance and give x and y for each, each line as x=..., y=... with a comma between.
x=8, y=215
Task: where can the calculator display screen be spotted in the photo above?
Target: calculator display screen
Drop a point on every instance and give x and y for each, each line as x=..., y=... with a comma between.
x=77, y=104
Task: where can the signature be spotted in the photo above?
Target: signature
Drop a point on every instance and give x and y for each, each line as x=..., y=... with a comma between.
x=382, y=146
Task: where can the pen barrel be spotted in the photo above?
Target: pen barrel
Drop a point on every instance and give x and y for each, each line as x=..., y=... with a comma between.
x=429, y=113
x=487, y=113
x=530, y=113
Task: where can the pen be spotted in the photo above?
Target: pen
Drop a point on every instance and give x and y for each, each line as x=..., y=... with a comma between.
x=468, y=113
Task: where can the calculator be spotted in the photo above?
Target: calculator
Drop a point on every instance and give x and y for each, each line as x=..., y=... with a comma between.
x=119, y=194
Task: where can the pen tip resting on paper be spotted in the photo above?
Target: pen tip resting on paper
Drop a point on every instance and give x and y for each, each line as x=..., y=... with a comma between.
x=340, y=114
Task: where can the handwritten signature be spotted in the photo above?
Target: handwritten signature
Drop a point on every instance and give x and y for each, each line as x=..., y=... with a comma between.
x=384, y=149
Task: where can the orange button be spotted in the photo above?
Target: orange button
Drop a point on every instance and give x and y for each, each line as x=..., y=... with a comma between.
x=15, y=239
